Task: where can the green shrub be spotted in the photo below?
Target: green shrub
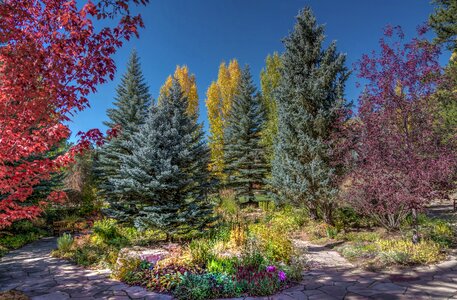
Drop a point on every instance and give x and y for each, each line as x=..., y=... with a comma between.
x=95, y=255
x=437, y=230
x=288, y=219
x=316, y=230
x=331, y=231
x=106, y=229
x=19, y=234
x=65, y=242
x=274, y=243
x=222, y=265
x=221, y=232
x=126, y=269
x=297, y=264
x=201, y=251
x=71, y=220
x=268, y=206
x=132, y=236
x=206, y=286
x=3, y=250
x=16, y=241
x=363, y=236
x=23, y=226
x=253, y=256
x=228, y=208
x=108, y=232
x=347, y=217
x=87, y=256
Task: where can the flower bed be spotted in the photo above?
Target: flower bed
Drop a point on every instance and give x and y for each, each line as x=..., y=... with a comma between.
x=231, y=261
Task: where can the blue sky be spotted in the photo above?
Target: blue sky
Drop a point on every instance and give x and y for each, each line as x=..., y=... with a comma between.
x=203, y=33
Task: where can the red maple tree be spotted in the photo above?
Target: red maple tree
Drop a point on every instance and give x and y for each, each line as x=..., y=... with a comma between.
x=400, y=162
x=51, y=58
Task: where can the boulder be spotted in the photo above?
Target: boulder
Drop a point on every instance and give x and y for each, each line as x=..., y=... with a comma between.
x=151, y=255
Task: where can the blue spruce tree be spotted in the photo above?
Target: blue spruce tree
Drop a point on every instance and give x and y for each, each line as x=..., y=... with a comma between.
x=245, y=157
x=166, y=171
x=132, y=104
x=309, y=97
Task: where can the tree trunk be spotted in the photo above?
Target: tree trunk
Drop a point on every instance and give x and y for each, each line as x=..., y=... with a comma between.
x=415, y=227
x=313, y=212
x=328, y=214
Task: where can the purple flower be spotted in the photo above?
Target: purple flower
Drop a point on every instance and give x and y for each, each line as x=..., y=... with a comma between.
x=271, y=269
x=282, y=276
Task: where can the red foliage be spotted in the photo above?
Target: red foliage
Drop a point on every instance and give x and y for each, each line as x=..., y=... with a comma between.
x=400, y=162
x=51, y=58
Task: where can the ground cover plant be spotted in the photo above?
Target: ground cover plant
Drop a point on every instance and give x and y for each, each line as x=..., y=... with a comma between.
x=21, y=233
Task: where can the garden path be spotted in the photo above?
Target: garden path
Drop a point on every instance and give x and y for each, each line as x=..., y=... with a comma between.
x=333, y=277
x=32, y=271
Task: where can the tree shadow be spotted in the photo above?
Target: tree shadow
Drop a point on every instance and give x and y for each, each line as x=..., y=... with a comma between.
x=422, y=282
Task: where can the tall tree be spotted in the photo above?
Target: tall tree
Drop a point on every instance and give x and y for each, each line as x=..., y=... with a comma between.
x=269, y=81
x=132, y=103
x=446, y=97
x=188, y=85
x=219, y=99
x=309, y=100
x=167, y=169
x=401, y=162
x=444, y=22
x=244, y=155
x=51, y=57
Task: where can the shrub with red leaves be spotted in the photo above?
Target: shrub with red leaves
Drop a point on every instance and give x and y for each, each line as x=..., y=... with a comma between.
x=51, y=58
x=399, y=160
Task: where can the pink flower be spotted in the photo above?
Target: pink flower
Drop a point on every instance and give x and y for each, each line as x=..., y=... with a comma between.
x=271, y=269
x=282, y=276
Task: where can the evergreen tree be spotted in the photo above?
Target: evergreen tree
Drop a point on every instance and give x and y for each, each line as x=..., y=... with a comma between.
x=244, y=155
x=131, y=106
x=167, y=170
x=446, y=97
x=444, y=23
x=308, y=99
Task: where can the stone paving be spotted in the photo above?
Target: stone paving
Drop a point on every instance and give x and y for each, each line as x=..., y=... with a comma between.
x=32, y=271
x=343, y=281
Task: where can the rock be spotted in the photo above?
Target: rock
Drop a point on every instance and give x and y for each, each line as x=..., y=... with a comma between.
x=13, y=295
x=141, y=253
x=52, y=296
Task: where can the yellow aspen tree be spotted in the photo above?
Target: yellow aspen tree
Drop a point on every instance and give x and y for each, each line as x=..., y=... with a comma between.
x=269, y=81
x=188, y=86
x=219, y=99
